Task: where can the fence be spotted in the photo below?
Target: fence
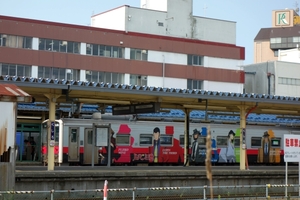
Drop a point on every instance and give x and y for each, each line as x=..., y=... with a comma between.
x=162, y=193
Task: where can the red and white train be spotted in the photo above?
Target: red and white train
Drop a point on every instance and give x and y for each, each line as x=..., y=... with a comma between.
x=134, y=142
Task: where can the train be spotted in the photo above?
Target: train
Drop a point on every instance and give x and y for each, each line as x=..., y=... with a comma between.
x=138, y=142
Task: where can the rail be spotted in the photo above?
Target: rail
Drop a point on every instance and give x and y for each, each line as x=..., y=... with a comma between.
x=267, y=191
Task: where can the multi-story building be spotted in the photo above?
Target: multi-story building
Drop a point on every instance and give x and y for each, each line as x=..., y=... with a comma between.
x=154, y=45
x=284, y=34
x=276, y=68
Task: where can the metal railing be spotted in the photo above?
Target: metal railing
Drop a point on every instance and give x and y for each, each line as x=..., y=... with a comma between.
x=268, y=191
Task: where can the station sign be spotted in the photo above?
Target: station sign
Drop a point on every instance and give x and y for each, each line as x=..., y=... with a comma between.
x=291, y=148
x=136, y=109
x=52, y=129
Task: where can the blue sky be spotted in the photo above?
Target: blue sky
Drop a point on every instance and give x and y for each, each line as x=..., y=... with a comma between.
x=250, y=15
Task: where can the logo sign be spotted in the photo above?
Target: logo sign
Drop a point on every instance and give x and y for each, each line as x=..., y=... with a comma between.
x=52, y=130
x=282, y=18
x=291, y=148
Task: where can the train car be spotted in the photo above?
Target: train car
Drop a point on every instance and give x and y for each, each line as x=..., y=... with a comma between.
x=150, y=142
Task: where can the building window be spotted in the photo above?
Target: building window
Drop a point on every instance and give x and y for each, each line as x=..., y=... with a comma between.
x=275, y=53
x=15, y=70
x=105, y=77
x=59, y=46
x=138, y=54
x=195, y=60
x=288, y=81
x=58, y=73
x=15, y=41
x=194, y=84
x=138, y=80
x=106, y=51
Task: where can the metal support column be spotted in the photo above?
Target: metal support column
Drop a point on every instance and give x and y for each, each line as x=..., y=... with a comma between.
x=242, y=143
x=186, y=137
x=52, y=101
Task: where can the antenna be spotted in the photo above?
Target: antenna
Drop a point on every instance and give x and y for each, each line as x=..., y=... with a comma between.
x=296, y=7
x=205, y=8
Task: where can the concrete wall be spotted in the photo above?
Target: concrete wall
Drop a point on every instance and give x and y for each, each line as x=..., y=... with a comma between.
x=113, y=19
x=7, y=176
x=94, y=179
x=266, y=78
x=256, y=78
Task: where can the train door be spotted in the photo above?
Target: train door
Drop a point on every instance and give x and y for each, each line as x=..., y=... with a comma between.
x=73, y=144
x=88, y=147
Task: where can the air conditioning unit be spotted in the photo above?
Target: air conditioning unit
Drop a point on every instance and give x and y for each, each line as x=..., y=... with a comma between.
x=69, y=71
x=88, y=72
x=144, y=77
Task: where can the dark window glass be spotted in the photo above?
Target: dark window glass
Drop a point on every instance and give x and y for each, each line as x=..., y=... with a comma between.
x=146, y=139
x=102, y=50
x=76, y=47
x=195, y=60
x=256, y=141
x=63, y=46
x=121, y=52
x=41, y=72
x=166, y=139
x=88, y=49
x=123, y=139
x=115, y=52
x=95, y=50
x=5, y=69
x=42, y=44
x=107, y=51
x=49, y=45
x=132, y=54
x=12, y=70
x=55, y=45
x=20, y=70
x=190, y=60
x=27, y=42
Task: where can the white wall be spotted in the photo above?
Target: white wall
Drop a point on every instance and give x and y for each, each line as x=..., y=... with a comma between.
x=287, y=70
x=7, y=124
x=165, y=57
x=146, y=21
x=154, y=4
x=155, y=81
x=35, y=43
x=215, y=30
x=222, y=63
x=291, y=55
x=223, y=87
x=113, y=19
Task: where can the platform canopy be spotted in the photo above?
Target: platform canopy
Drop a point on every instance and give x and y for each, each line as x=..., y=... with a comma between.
x=172, y=98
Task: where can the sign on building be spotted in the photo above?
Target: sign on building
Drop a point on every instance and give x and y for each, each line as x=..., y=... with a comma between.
x=291, y=148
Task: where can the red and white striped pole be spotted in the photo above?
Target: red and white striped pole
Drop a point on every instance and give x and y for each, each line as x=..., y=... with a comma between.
x=105, y=190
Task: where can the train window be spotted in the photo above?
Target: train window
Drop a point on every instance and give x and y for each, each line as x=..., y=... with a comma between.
x=73, y=135
x=89, y=136
x=201, y=140
x=166, y=140
x=275, y=142
x=181, y=140
x=145, y=139
x=123, y=139
x=222, y=141
x=256, y=142
x=237, y=141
